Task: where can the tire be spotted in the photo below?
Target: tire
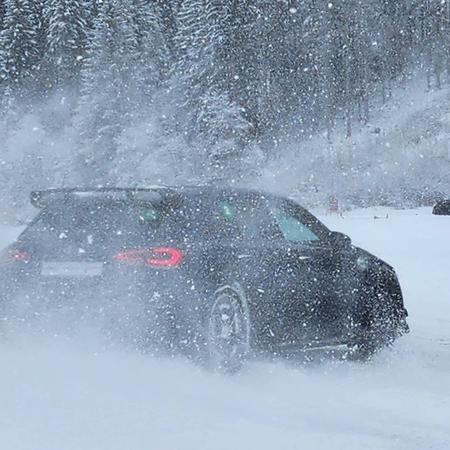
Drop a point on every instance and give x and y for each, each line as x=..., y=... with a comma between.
x=228, y=330
x=382, y=324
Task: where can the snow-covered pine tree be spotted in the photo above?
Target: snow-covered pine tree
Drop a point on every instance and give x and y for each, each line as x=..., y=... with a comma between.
x=258, y=46
x=207, y=71
x=146, y=138
x=20, y=50
x=189, y=45
x=108, y=88
x=222, y=121
x=190, y=71
x=66, y=39
x=153, y=58
x=92, y=8
x=434, y=30
x=2, y=13
x=166, y=10
x=362, y=45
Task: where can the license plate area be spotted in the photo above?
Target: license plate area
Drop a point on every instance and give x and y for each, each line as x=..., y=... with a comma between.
x=71, y=269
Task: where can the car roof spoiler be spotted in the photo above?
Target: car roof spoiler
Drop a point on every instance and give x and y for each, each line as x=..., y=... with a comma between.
x=163, y=195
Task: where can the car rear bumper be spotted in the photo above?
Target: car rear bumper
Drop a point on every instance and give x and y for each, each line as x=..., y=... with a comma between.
x=124, y=291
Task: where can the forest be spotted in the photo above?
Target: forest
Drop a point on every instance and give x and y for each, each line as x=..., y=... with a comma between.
x=144, y=92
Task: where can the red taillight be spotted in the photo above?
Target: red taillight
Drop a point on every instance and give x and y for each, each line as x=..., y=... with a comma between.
x=13, y=255
x=156, y=256
x=164, y=256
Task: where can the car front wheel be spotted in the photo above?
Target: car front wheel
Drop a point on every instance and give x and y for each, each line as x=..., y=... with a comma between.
x=383, y=322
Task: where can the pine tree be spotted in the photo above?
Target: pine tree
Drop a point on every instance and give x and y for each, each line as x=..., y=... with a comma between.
x=106, y=82
x=66, y=38
x=20, y=50
x=207, y=71
x=259, y=46
x=167, y=11
x=126, y=61
x=152, y=53
x=189, y=41
x=2, y=13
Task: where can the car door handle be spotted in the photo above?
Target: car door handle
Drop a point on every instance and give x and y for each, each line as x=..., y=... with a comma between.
x=244, y=256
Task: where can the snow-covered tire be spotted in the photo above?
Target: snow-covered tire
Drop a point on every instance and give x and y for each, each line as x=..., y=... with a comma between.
x=228, y=330
x=381, y=327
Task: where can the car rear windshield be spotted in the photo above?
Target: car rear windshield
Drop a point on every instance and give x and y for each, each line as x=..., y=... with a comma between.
x=111, y=224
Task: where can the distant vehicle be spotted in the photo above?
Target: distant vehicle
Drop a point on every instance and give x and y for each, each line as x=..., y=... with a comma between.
x=215, y=273
x=442, y=208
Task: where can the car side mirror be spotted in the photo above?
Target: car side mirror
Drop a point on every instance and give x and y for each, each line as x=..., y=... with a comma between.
x=340, y=240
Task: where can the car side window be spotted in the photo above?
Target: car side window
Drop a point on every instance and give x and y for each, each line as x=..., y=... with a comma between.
x=292, y=229
x=245, y=217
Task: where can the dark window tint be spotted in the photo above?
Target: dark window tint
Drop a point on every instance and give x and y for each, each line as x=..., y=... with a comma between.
x=238, y=217
x=224, y=217
x=88, y=227
x=98, y=226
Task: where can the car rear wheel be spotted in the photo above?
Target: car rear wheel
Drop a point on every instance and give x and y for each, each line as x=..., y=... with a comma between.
x=228, y=331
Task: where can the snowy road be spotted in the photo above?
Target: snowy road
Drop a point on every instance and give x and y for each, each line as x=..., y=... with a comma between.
x=77, y=396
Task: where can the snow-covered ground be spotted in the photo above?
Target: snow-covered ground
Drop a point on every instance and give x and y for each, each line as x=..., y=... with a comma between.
x=61, y=394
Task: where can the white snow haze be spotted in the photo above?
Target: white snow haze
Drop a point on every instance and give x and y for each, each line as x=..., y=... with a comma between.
x=329, y=103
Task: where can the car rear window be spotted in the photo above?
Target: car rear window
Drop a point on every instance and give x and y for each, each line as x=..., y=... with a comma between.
x=93, y=225
x=104, y=225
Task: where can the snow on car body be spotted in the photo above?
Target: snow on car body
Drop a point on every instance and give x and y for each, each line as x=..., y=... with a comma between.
x=216, y=273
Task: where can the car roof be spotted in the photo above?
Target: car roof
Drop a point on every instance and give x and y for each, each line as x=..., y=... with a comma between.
x=213, y=190
x=46, y=198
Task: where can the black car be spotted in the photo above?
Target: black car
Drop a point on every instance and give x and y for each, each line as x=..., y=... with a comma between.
x=442, y=208
x=218, y=273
